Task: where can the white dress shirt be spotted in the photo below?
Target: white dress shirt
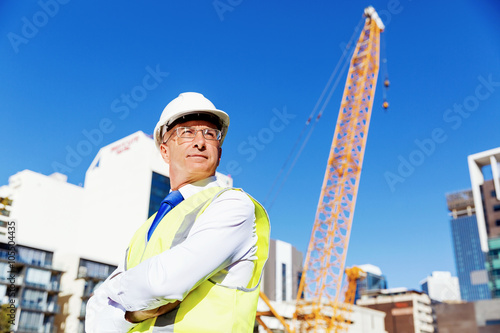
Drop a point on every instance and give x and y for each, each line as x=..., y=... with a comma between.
x=220, y=246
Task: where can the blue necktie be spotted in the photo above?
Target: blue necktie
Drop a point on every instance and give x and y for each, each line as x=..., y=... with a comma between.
x=170, y=201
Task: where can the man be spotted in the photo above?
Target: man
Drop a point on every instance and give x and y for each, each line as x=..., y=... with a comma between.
x=195, y=267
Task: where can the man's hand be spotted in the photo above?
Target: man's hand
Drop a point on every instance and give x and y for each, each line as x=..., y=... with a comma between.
x=105, y=316
x=138, y=316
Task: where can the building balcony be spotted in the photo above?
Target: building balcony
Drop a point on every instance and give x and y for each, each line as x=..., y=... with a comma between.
x=17, y=261
x=89, y=290
x=51, y=308
x=6, y=300
x=18, y=280
x=34, y=262
x=91, y=276
x=34, y=285
x=50, y=287
x=32, y=305
x=6, y=256
x=91, y=270
x=33, y=329
x=54, y=286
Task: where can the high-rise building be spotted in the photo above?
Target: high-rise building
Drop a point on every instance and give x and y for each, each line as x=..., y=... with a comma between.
x=470, y=259
x=374, y=280
x=441, y=286
x=476, y=228
x=487, y=201
x=406, y=310
x=486, y=192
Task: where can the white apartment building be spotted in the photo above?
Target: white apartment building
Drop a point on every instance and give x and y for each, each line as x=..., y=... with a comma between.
x=45, y=211
x=441, y=286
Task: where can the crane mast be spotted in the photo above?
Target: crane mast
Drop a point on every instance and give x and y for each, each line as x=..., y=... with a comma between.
x=320, y=285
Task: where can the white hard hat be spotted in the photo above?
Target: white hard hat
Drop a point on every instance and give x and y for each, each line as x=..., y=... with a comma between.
x=185, y=104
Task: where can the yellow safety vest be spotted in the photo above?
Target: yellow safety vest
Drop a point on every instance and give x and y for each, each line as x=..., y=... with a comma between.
x=209, y=307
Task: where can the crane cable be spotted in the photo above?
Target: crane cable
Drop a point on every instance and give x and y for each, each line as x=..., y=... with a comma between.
x=385, y=73
x=343, y=61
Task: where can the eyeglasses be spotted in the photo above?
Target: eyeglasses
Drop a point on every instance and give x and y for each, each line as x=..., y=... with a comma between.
x=190, y=133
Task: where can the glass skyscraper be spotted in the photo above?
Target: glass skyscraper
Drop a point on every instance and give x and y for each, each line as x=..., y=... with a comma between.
x=470, y=260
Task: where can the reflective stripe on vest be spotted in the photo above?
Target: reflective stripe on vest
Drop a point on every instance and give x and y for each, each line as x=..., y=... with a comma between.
x=209, y=307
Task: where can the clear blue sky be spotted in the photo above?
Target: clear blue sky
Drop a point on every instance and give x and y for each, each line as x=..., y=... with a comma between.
x=65, y=69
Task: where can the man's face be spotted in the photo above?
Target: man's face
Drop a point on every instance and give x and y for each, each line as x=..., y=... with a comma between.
x=190, y=160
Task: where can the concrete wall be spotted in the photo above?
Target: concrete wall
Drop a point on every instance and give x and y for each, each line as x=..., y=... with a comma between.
x=488, y=315
x=456, y=318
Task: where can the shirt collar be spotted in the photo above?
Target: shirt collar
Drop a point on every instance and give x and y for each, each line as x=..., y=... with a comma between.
x=193, y=188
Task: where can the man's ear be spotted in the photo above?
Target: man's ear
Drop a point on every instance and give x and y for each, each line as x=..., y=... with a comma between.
x=220, y=155
x=165, y=152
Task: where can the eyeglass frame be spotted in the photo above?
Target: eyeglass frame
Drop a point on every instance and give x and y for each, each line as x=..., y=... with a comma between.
x=203, y=130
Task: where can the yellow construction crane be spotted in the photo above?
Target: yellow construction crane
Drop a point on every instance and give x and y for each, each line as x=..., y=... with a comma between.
x=319, y=298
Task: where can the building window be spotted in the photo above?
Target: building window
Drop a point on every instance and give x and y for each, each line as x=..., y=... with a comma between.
x=493, y=194
x=30, y=321
x=37, y=278
x=496, y=208
x=283, y=282
x=497, y=222
x=34, y=256
x=34, y=299
x=92, y=269
x=160, y=187
x=299, y=278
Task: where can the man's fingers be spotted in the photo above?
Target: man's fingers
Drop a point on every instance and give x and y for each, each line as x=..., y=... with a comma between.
x=138, y=316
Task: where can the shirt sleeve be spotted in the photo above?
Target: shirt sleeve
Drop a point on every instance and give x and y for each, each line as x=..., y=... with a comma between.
x=223, y=234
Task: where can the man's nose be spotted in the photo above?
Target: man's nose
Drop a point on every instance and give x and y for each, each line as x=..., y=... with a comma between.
x=199, y=140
